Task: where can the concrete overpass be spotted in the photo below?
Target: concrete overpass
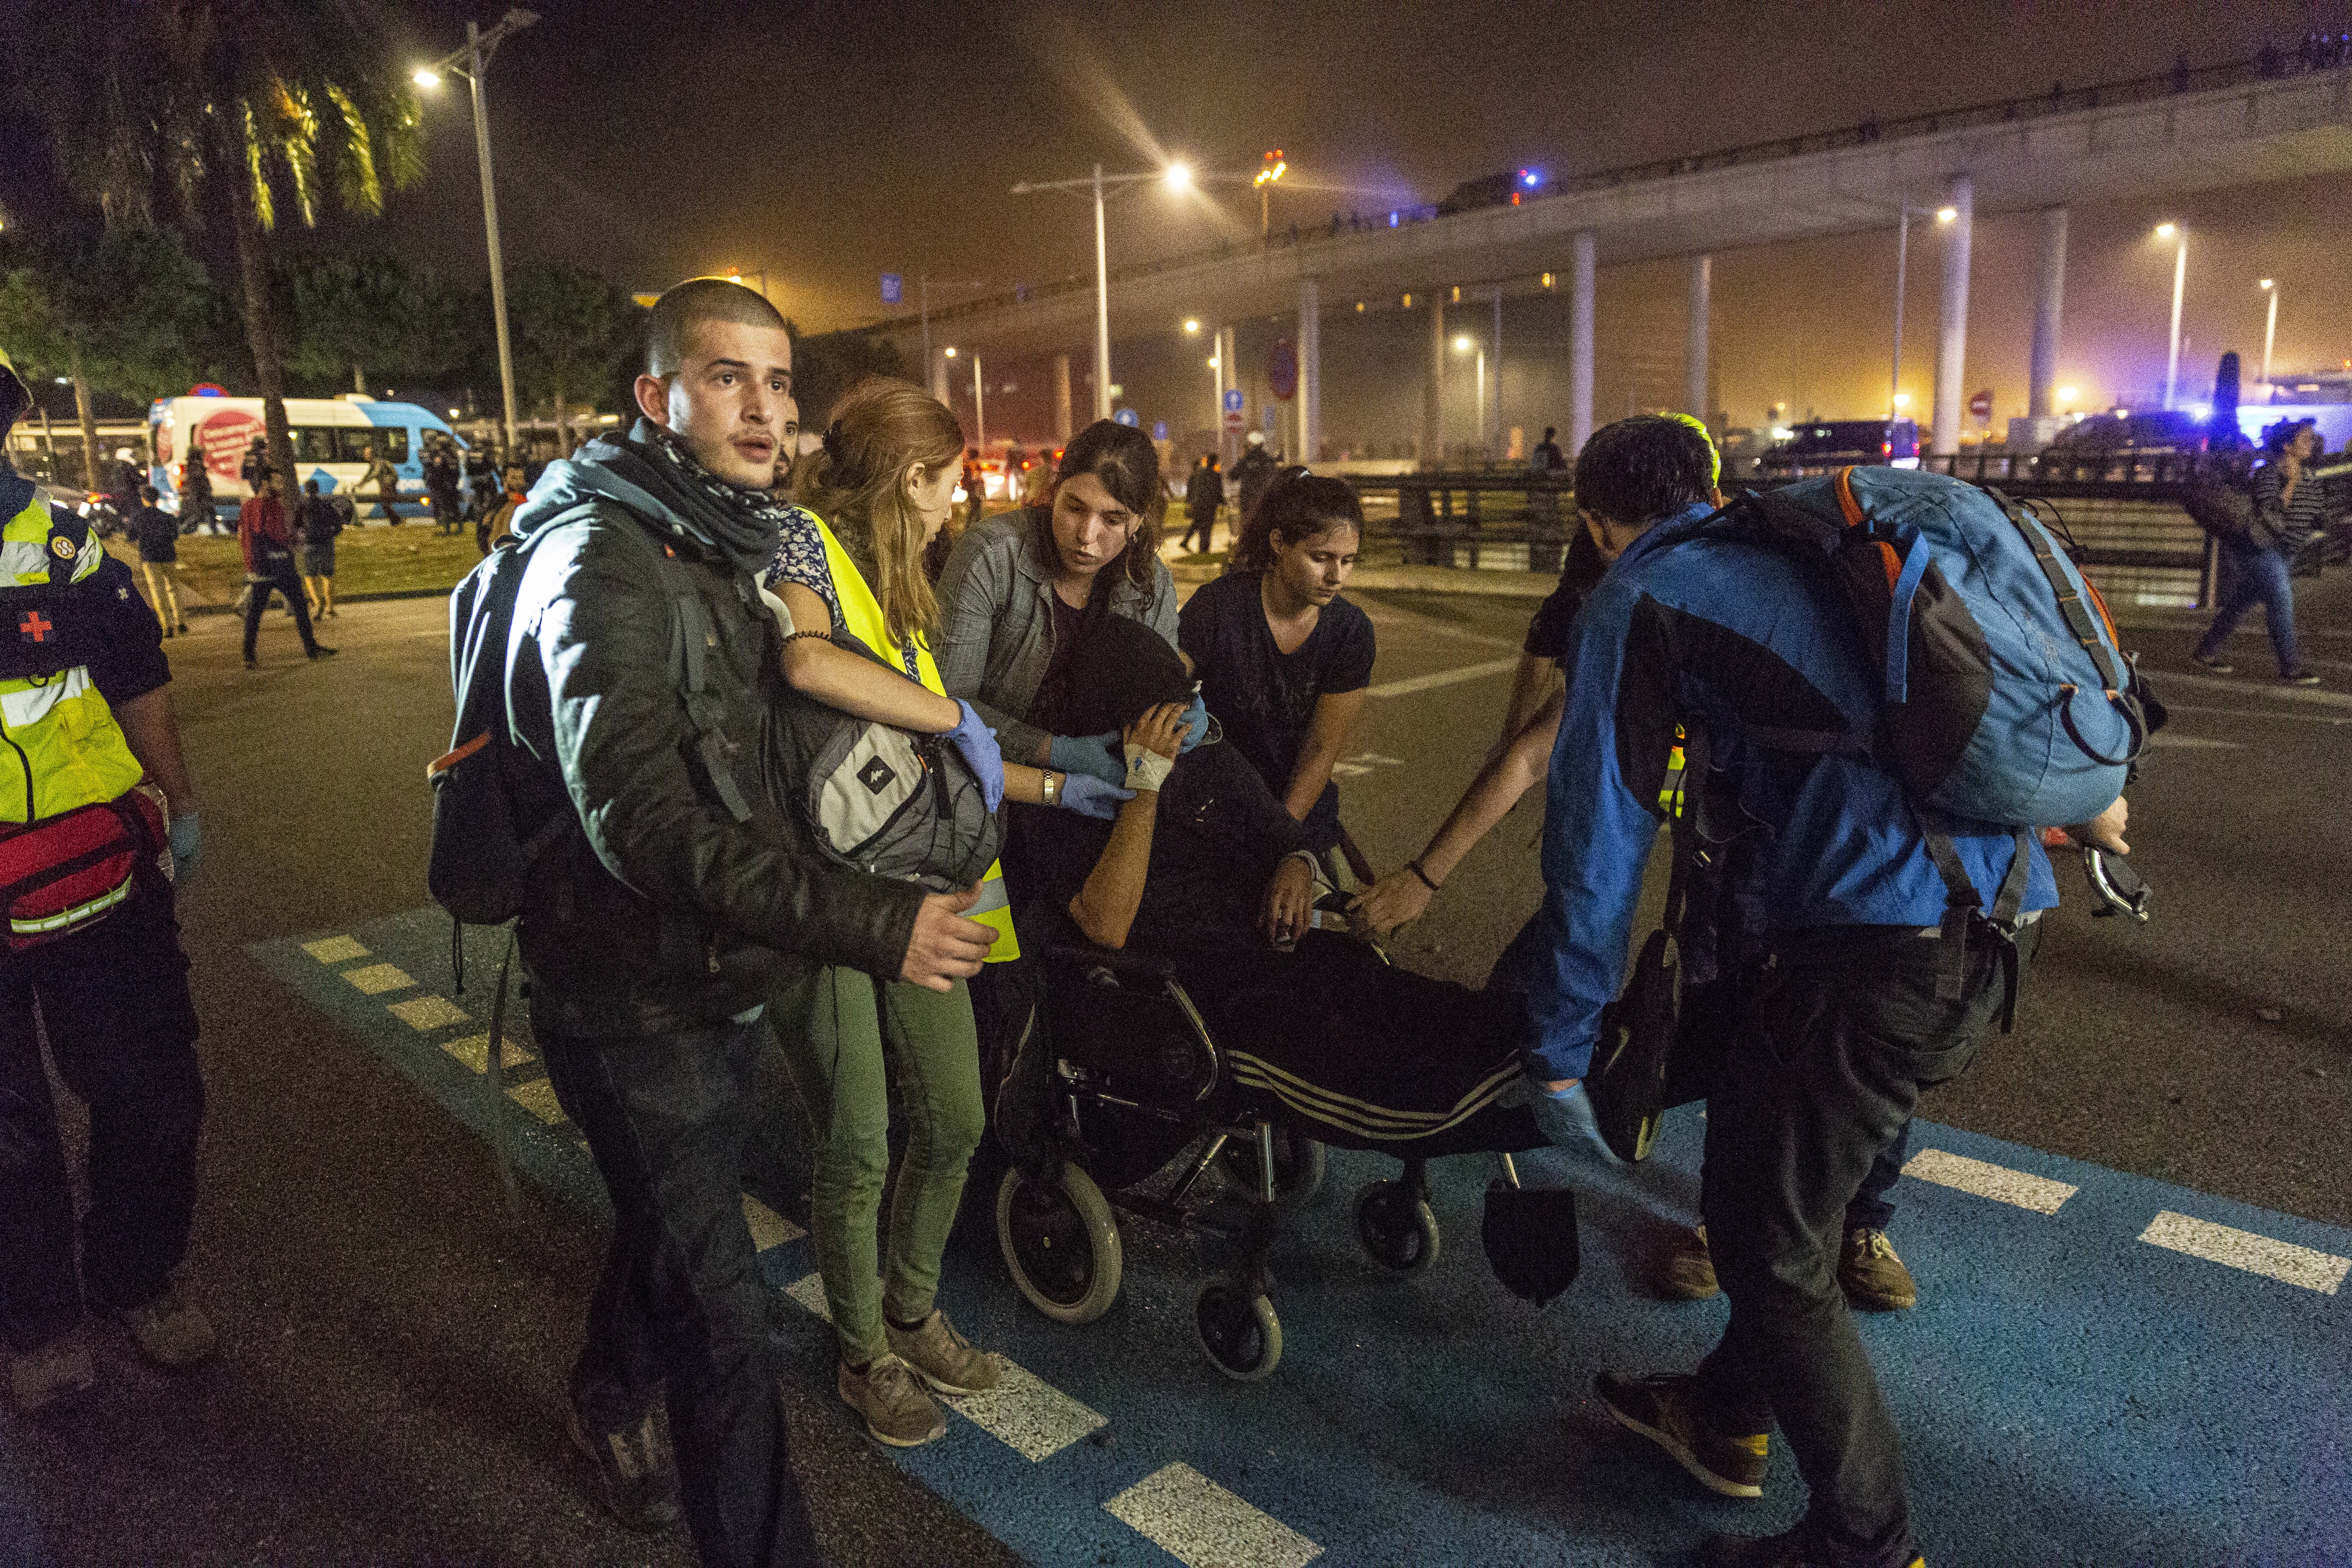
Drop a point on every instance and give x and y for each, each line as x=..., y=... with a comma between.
x=2242, y=124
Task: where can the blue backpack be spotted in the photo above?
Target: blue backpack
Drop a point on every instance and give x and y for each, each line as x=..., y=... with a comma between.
x=2006, y=696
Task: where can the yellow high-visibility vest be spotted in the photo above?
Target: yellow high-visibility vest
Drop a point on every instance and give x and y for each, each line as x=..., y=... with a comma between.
x=861, y=614
x=63, y=749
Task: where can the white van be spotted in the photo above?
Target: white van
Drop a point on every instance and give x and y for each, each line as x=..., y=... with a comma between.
x=331, y=437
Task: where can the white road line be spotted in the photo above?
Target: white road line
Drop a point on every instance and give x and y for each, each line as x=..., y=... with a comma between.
x=1997, y=1183
x=537, y=1098
x=2250, y=687
x=1027, y=1414
x=809, y=1292
x=375, y=978
x=423, y=1013
x=335, y=949
x=1203, y=1525
x=769, y=1228
x=1443, y=678
x=2195, y=742
x=474, y=1050
x=2244, y=712
x=2281, y=1260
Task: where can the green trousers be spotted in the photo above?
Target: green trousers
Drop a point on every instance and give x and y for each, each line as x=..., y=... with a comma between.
x=834, y=1027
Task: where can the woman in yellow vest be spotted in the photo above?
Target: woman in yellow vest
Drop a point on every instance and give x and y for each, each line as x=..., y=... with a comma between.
x=886, y=479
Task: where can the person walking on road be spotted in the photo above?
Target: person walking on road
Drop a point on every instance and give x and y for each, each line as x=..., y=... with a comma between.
x=263, y=534
x=386, y=479
x=318, y=522
x=1253, y=472
x=675, y=906
x=1204, y=496
x=92, y=962
x=2290, y=506
x=975, y=488
x=196, y=507
x=157, y=532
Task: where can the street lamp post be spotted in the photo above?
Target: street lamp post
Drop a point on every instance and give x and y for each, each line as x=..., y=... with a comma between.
x=2180, y=280
x=1272, y=171
x=2270, y=335
x=1902, y=266
x=1177, y=177
x=476, y=58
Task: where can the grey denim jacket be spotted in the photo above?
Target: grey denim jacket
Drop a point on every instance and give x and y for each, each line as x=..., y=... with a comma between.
x=996, y=622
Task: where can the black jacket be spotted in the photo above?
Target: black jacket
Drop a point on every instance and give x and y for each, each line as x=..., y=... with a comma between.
x=668, y=912
x=1204, y=492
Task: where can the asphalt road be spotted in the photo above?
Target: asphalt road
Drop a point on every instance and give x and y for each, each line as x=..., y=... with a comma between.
x=394, y=1349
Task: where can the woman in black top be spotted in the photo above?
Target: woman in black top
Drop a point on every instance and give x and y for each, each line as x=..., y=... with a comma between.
x=2289, y=508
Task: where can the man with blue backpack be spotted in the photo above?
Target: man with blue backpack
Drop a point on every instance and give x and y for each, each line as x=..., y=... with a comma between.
x=1884, y=681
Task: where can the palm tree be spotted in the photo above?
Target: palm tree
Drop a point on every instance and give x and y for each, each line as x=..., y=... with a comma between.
x=230, y=101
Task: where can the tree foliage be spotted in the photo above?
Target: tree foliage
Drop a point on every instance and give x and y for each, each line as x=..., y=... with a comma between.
x=373, y=311
x=574, y=330
x=827, y=365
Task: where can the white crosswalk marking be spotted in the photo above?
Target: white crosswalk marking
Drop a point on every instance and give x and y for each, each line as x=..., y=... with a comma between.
x=538, y=1099
x=1026, y=1413
x=376, y=977
x=1997, y=1183
x=2281, y=1260
x=1203, y=1525
x=423, y=1013
x=335, y=949
x=1443, y=678
x=769, y=1228
x=809, y=1292
x=474, y=1050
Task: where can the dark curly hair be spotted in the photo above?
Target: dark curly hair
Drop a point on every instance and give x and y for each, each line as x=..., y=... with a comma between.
x=1297, y=505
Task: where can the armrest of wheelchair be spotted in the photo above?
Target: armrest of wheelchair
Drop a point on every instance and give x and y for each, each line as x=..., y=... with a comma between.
x=1129, y=967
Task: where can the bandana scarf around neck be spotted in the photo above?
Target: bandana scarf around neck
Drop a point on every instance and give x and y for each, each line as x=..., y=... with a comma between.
x=748, y=522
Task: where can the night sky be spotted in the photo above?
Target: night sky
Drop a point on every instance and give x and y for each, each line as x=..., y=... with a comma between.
x=825, y=144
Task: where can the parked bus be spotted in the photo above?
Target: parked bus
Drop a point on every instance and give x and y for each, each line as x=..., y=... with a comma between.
x=331, y=437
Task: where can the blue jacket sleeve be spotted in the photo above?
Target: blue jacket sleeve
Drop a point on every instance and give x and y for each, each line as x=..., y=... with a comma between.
x=1599, y=828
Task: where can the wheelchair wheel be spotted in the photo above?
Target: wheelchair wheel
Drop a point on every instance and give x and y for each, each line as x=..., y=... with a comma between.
x=1240, y=1335
x=1060, y=1243
x=1396, y=1227
x=1299, y=1165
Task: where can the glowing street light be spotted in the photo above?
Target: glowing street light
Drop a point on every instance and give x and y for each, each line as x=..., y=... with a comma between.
x=1177, y=176
x=1192, y=323
x=2065, y=395
x=1267, y=175
x=1947, y=215
x=2270, y=332
x=426, y=77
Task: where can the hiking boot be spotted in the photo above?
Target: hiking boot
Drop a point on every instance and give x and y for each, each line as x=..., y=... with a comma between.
x=636, y=1474
x=896, y=1410
x=1784, y=1551
x=1659, y=1408
x=171, y=1331
x=1688, y=1273
x=1873, y=1276
x=943, y=1358
x=323, y=651
x=2300, y=677
x=53, y=1376
x=2214, y=662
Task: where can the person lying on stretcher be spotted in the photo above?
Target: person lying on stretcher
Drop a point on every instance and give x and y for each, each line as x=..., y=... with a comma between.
x=1204, y=868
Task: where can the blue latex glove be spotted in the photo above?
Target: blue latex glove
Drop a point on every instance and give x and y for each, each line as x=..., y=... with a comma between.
x=1197, y=716
x=977, y=741
x=1565, y=1119
x=1100, y=756
x=1089, y=796
x=188, y=841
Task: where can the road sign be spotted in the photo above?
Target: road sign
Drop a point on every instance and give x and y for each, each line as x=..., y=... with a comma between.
x=894, y=286
x=1159, y=429
x=1981, y=404
x=1232, y=400
x=1281, y=370
x=1129, y=418
x=1232, y=417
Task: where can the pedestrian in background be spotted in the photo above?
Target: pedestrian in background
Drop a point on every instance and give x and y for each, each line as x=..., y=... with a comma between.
x=441, y=484
x=197, y=508
x=157, y=532
x=1251, y=475
x=263, y=534
x=315, y=528
x=1546, y=458
x=255, y=466
x=975, y=488
x=1204, y=496
x=2290, y=506
x=386, y=480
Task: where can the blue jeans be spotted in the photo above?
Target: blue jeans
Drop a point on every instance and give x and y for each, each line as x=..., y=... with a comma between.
x=2259, y=576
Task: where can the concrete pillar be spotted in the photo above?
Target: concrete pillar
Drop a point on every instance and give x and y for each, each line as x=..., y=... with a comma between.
x=1580, y=349
x=1432, y=393
x=938, y=375
x=2049, y=300
x=1062, y=400
x=1702, y=288
x=1230, y=369
x=1952, y=338
x=1310, y=375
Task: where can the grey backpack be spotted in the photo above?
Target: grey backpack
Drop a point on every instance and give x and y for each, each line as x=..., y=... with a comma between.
x=877, y=799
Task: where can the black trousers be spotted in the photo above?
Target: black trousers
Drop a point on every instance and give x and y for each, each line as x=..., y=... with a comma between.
x=1837, y=1040
x=287, y=583
x=681, y=1303
x=1202, y=523
x=113, y=1000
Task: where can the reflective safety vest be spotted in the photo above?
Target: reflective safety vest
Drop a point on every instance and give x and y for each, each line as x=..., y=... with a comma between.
x=861, y=614
x=63, y=748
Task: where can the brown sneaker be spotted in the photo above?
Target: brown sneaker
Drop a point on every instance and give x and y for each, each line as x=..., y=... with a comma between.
x=55, y=1374
x=896, y=1410
x=1658, y=1408
x=1688, y=1273
x=944, y=1358
x=1873, y=1277
x=171, y=1331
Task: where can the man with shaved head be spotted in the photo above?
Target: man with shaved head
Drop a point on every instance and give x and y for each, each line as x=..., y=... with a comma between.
x=642, y=662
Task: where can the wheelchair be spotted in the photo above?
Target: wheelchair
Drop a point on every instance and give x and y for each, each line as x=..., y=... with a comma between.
x=1139, y=1082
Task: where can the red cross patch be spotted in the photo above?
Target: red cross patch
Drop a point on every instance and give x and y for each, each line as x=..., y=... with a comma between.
x=33, y=626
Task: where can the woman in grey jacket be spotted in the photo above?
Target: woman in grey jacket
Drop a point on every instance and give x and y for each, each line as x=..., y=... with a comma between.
x=1016, y=587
